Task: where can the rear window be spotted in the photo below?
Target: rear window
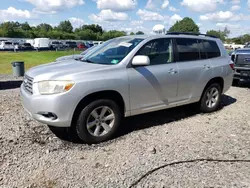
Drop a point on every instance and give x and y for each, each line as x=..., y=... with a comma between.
x=188, y=49
x=196, y=49
x=211, y=48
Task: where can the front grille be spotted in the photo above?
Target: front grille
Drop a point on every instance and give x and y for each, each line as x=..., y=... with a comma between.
x=242, y=59
x=28, y=84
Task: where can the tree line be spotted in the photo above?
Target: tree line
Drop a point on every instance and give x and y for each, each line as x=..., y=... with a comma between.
x=65, y=30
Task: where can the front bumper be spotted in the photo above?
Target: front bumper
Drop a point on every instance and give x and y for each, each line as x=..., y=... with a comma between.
x=61, y=105
x=242, y=73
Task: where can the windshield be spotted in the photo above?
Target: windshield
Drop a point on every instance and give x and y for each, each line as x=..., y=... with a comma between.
x=113, y=51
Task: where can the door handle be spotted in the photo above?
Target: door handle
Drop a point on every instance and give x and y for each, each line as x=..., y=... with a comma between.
x=207, y=66
x=172, y=71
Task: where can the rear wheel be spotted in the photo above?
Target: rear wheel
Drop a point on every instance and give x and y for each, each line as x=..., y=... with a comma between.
x=98, y=121
x=211, y=98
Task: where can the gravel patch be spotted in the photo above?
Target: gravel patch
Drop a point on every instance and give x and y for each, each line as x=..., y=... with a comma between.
x=32, y=156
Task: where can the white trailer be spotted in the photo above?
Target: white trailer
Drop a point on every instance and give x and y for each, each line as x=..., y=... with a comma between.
x=31, y=41
x=41, y=43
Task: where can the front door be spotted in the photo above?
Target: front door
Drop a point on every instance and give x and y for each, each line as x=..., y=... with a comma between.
x=154, y=87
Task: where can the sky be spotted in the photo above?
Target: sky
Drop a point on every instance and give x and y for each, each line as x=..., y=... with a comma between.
x=131, y=15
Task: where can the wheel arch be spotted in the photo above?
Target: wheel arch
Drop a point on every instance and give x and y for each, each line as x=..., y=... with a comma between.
x=105, y=94
x=218, y=80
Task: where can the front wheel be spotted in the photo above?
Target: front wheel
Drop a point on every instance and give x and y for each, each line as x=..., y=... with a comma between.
x=98, y=121
x=211, y=98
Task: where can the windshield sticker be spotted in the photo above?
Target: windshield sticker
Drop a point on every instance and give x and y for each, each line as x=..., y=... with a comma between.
x=126, y=44
x=114, y=61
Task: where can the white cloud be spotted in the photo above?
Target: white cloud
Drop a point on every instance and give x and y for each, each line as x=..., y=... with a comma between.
x=53, y=6
x=224, y=16
x=116, y=5
x=201, y=5
x=173, y=9
x=235, y=7
x=76, y=22
x=108, y=15
x=165, y=4
x=149, y=15
x=136, y=22
x=173, y=19
x=248, y=3
x=150, y=5
x=12, y=13
x=235, y=1
x=228, y=25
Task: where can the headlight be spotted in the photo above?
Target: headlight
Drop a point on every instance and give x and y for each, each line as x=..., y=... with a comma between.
x=53, y=87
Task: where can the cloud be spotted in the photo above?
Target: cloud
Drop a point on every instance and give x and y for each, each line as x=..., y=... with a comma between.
x=149, y=15
x=116, y=5
x=224, y=16
x=201, y=5
x=173, y=9
x=108, y=15
x=235, y=7
x=12, y=13
x=76, y=22
x=165, y=4
x=136, y=22
x=53, y=6
x=173, y=19
x=228, y=25
x=235, y=1
x=248, y=3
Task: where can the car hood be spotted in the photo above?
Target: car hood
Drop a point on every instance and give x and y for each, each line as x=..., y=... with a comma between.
x=63, y=58
x=63, y=70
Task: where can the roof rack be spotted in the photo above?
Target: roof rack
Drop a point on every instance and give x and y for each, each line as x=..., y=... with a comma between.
x=190, y=33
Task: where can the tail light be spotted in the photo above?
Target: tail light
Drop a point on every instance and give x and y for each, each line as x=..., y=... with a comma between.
x=232, y=65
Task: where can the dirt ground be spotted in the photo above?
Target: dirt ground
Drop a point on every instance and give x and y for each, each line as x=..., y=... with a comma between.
x=178, y=147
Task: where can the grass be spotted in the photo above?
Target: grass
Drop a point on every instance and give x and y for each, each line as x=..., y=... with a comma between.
x=31, y=59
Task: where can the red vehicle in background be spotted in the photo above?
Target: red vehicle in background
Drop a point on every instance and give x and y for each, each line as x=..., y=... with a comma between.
x=82, y=46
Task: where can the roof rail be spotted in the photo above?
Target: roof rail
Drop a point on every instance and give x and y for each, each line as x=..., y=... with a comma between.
x=190, y=33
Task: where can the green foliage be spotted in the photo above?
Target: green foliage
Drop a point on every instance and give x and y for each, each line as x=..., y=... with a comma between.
x=132, y=33
x=139, y=33
x=65, y=26
x=63, y=31
x=220, y=34
x=185, y=25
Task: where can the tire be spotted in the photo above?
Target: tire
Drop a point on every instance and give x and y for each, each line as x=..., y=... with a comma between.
x=92, y=115
x=206, y=106
x=236, y=82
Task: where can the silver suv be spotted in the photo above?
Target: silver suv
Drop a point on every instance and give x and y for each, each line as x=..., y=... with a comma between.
x=127, y=76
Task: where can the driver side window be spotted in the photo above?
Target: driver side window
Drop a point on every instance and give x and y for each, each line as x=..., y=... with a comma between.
x=159, y=51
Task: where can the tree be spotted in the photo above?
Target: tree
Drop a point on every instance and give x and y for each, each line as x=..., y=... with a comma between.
x=139, y=33
x=43, y=27
x=185, y=25
x=94, y=27
x=132, y=33
x=25, y=26
x=65, y=26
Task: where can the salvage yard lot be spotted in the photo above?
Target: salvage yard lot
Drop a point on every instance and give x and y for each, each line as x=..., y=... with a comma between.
x=31, y=156
x=31, y=59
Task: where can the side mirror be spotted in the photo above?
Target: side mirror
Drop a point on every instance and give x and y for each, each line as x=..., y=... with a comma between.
x=141, y=60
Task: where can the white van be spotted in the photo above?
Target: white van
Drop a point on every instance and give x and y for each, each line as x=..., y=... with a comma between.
x=5, y=45
x=41, y=43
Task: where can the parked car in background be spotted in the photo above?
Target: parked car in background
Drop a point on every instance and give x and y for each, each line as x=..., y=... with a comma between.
x=6, y=45
x=25, y=46
x=70, y=44
x=82, y=46
x=56, y=45
x=77, y=56
x=241, y=59
x=41, y=43
x=127, y=76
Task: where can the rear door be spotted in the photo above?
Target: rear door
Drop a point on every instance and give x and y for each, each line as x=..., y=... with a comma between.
x=154, y=87
x=194, y=68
